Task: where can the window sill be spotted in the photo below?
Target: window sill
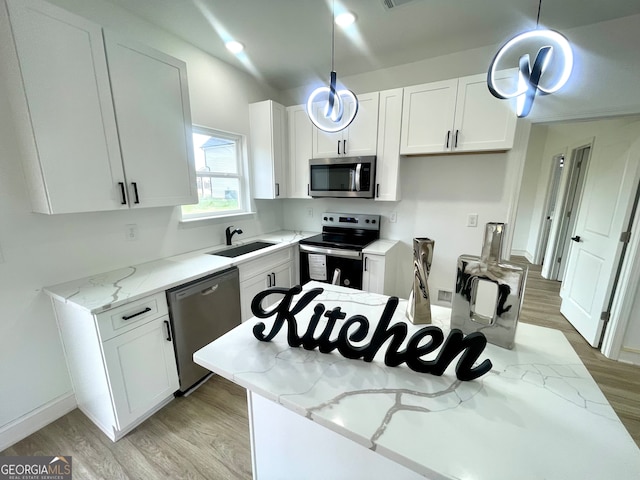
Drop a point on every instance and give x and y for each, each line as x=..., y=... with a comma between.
x=199, y=221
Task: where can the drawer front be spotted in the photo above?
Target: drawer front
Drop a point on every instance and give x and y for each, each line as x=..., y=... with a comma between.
x=125, y=317
x=265, y=264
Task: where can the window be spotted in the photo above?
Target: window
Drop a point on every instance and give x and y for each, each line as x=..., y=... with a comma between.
x=219, y=174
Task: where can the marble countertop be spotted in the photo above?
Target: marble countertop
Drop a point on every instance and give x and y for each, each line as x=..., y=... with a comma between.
x=111, y=289
x=538, y=414
x=380, y=247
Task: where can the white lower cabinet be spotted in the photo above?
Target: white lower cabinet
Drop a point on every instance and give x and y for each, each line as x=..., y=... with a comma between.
x=379, y=265
x=274, y=270
x=121, y=361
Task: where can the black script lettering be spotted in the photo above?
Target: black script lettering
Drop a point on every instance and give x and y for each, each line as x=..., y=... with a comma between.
x=415, y=350
x=309, y=342
x=397, y=332
x=283, y=312
x=345, y=347
x=472, y=345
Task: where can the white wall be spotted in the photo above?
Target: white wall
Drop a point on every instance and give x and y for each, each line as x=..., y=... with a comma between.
x=40, y=250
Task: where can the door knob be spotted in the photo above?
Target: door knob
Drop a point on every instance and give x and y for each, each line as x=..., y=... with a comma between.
x=576, y=238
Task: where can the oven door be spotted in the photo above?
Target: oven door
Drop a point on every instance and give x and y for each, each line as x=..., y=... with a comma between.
x=342, y=177
x=331, y=265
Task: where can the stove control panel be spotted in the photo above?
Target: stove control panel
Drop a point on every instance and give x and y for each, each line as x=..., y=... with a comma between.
x=351, y=220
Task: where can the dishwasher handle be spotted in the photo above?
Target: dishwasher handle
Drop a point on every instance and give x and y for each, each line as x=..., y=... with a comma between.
x=210, y=290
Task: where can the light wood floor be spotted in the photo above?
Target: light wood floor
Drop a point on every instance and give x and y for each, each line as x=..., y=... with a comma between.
x=206, y=435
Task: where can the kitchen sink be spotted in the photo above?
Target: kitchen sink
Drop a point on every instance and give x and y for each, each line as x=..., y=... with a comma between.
x=242, y=249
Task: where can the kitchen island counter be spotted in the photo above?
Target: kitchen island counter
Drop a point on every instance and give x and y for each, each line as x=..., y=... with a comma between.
x=538, y=414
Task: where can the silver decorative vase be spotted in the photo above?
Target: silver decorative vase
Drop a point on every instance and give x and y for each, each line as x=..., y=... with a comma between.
x=419, y=306
x=489, y=292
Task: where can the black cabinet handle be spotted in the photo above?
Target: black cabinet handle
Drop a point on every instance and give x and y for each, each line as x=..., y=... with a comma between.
x=338, y=147
x=122, y=192
x=308, y=190
x=135, y=192
x=377, y=190
x=129, y=317
x=576, y=238
x=168, y=331
x=365, y=263
x=274, y=279
x=277, y=189
x=448, y=135
x=269, y=280
x=344, y=147
x=455, y=143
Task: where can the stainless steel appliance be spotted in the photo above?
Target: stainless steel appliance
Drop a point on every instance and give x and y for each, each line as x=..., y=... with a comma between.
x=200, y=312
x=335, y=255
x=342, y=177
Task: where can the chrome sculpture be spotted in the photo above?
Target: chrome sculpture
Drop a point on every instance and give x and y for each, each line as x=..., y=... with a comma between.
x=489, y=291
x=419, y=306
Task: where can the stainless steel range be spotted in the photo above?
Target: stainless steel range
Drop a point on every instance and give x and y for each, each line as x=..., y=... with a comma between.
x=335, y=255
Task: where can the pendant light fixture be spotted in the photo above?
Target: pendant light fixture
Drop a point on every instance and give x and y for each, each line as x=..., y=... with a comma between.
x=331, y=117
x=550, y=70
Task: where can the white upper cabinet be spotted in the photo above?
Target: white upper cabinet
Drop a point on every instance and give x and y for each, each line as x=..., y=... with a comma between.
x=151, y=100
x=300, y=151
x=359, y=138
x=268, y=125
x=458, y=115
x=72, y=151
x=388, y=159
x=74, y=163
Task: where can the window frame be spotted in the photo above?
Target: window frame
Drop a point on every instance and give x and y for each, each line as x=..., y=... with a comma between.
x=244, y=203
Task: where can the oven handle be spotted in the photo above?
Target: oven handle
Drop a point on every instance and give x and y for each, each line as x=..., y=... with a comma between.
x=358, y=174
x=334, y=252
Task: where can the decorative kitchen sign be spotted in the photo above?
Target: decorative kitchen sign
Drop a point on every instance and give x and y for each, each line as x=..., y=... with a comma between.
x=355, y=329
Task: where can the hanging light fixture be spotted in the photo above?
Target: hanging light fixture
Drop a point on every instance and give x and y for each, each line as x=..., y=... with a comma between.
x=554, y=61
x=332, y=117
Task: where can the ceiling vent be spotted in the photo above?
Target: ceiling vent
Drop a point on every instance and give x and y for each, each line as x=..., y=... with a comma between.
x=391, y=4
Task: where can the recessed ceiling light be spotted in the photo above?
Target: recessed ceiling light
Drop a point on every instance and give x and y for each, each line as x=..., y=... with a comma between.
x=234, y=47
x=345, y=19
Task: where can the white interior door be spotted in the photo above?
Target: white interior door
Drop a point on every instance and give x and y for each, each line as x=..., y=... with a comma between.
x=603, y=214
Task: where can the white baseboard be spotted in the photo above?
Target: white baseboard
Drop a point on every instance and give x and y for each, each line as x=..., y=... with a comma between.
x=522, y=253
x=629, y=355
x=33, y=421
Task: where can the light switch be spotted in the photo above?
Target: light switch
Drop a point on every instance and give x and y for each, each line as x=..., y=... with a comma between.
x=472, y=220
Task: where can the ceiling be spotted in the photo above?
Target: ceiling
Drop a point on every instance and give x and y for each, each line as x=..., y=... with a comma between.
x=288, y=42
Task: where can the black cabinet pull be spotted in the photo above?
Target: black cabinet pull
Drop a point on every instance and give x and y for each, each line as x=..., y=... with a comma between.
x=576, y=238
x=455, y=143
x=274, y=279
x=338, y=147
x=135, y=192
x=344, y=147
x=365, y=263
x=168, y=331
x=308, y=190
x=122, y=192
x=269, y=280
x=448, y=135
x=377, y=190
x=129, y=317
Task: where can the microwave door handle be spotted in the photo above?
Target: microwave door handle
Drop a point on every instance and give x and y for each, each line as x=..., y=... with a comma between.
x=358, y=173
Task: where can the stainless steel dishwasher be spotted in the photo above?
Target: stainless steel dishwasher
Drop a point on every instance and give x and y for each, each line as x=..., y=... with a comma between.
x=201, y=311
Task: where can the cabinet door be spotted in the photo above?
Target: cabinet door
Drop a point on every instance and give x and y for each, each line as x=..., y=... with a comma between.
x=250, y=288
x=268, y=125
x=388, y=160
x=142, y=370
x=300, y=151
x=284, y=276
x=427, y=117
x=483, y=122
x=325, y=144
x=151, y=99
x=360, y=138
x=66, y=85
x=373, y=267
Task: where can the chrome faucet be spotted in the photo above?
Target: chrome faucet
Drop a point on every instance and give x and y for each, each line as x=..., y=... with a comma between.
x=230, y=233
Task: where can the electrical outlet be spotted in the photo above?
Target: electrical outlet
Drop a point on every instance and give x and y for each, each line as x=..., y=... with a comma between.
x=393, y=217
x=131, y=232
x=310, y=212
x=472, y=220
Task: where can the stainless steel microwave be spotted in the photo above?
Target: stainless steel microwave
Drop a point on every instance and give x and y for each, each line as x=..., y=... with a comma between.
x=344, y=177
